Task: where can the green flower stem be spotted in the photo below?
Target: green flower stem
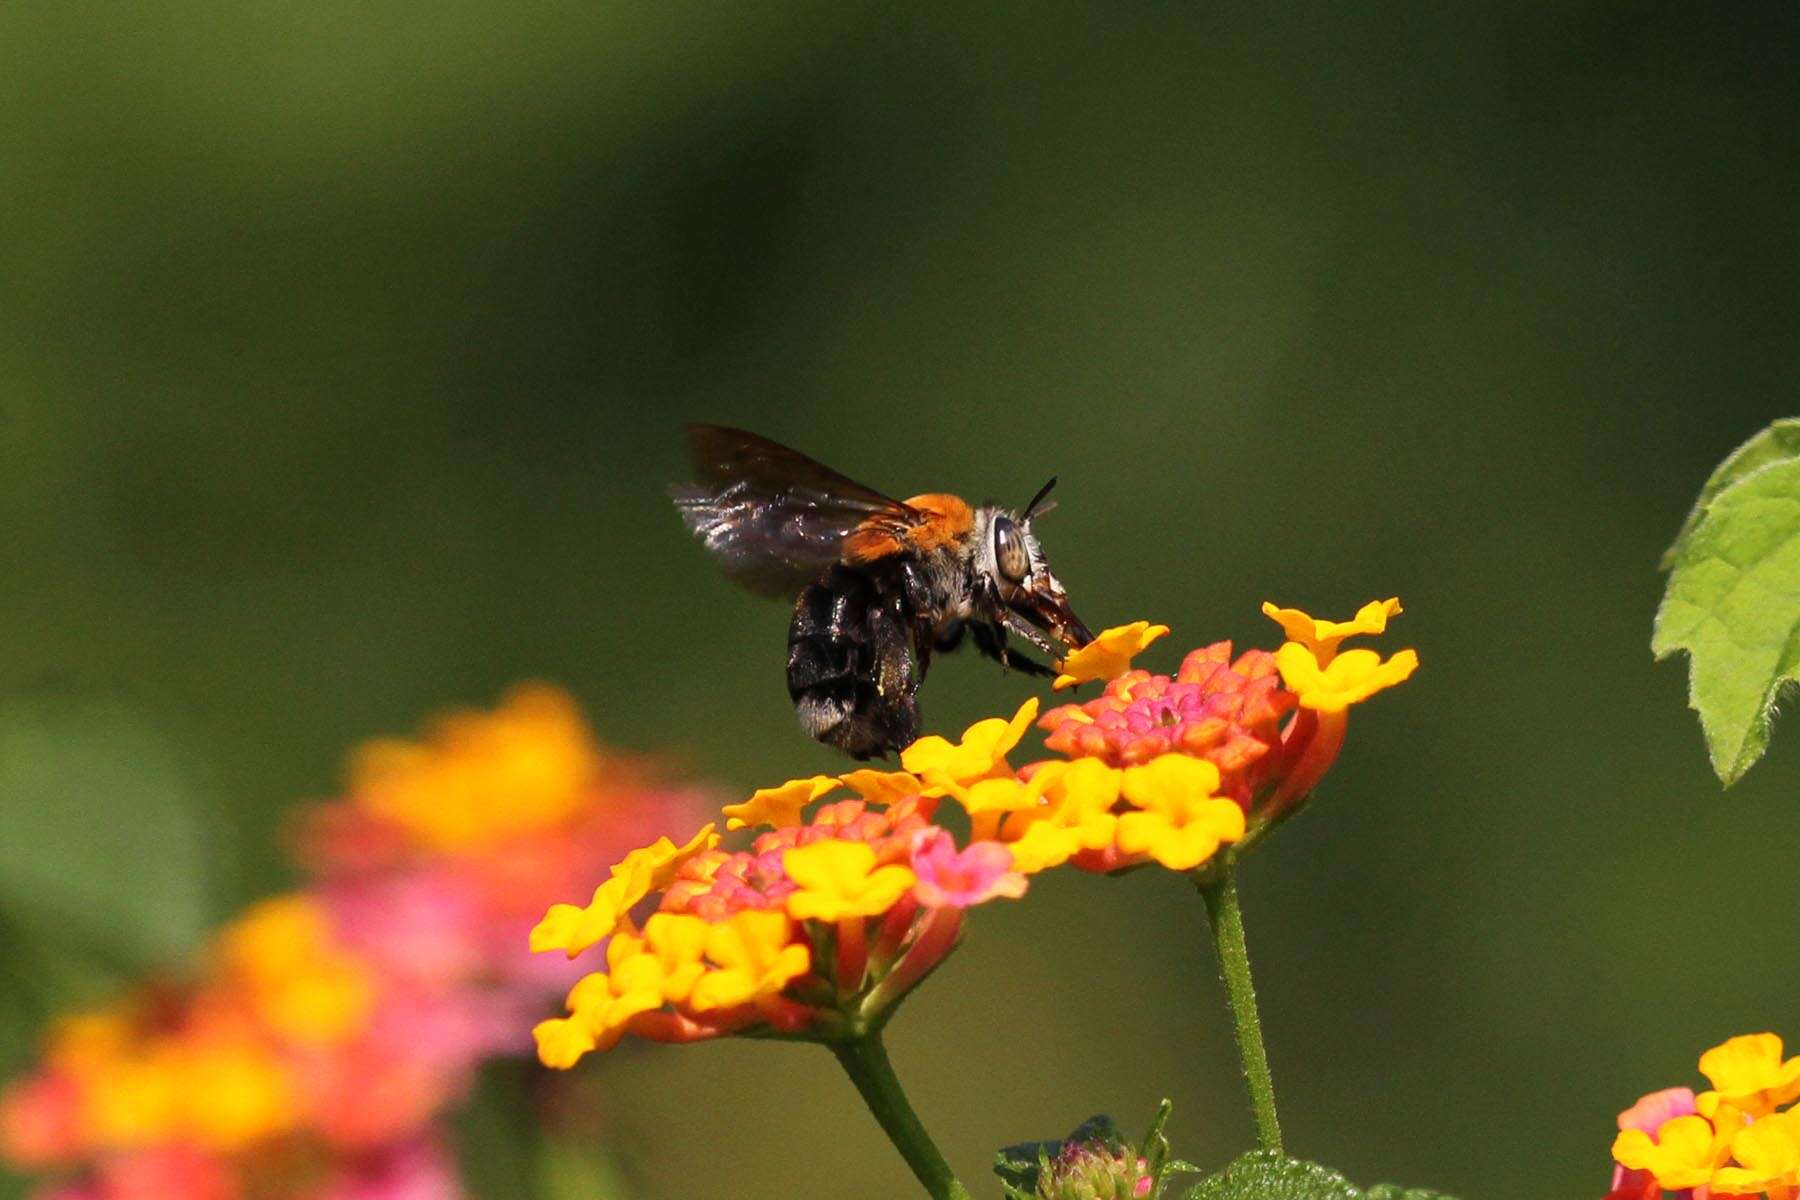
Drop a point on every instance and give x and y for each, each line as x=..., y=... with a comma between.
x=865, y=1060
x=1220, y=893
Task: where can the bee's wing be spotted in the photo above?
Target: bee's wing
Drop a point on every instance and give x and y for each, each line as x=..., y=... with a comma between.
x=773, y=516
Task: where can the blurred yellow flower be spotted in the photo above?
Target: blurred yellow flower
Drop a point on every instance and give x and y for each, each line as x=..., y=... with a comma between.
x=981, y=754
x=1349, y=678
x=1749, y=1073
x=755, y=956
x=302, y=983
x=236, y=1093
x=1767, y=1155
x=839, y=879
x=1322, y=637
x=221, y=1092
x=1684, y=1154
x=1109, y=655
x=481, y=776
x=778, y=805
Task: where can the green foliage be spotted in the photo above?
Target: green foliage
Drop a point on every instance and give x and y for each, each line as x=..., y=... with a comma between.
x=1268, y=1175
x=1733, y=599
x=1778, y=443
x=106, y=852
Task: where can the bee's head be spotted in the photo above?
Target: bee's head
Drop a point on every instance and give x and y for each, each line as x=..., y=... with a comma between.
x=1031, y=600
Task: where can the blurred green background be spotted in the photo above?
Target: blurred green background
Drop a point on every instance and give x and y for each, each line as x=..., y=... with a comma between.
x=343, y=352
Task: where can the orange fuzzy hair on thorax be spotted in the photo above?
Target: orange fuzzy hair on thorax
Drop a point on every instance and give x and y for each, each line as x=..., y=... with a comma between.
x=935, y=520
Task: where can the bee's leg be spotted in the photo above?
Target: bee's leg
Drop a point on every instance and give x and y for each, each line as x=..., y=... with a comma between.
x=951, y=637
x=990, y=640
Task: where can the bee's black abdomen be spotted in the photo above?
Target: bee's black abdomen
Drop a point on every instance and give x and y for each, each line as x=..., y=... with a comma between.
x=853, y=666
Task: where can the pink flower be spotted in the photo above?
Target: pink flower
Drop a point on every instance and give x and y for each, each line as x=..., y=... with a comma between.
x=949, y=878
x=1649, y=1114
x=163, y=1171
x=40, y=1120
x=1223, y=710
x=416, y=1170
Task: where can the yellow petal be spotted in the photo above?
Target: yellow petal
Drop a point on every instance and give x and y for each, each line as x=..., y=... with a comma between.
x=981, y=753
x=562, y=1041
x=778, y=806
x=1350, y=678
x=838, y=879
x=882, y=787
x=1109, y=655
x=1170, y=781
x=1321, y=638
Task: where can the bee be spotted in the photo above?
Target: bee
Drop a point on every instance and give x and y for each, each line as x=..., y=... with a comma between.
x=879, y=585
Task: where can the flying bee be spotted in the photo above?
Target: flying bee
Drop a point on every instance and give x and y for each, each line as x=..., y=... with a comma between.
x=879, y=584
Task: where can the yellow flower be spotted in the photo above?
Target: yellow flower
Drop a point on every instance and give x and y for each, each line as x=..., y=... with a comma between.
x=666, y=858
x=1078, y=817
x=981, y=754
x=678, y=942
x=236, y=1093
x=882, y=787
x=1768, y=1158
x=778, y=805
x=327, y=1004
x=755, y=957
x=1748, y=1072
x=137, y=1100
x=561, y=1041
x=87, y=1042
x=601, y=1005
x=1685, y=1153
x=573, y=928
x=481, y=776
x=987, y=801
x=1350, y=678
x=275, y=938
x=300, y=980
x=221, y=1092
x=1109, y=655
x=1180, y=823
x=1169, y=780
x=1322, y=637
x=839, y=879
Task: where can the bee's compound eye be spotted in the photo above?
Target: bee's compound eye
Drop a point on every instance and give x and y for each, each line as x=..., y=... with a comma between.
x=1009, y=551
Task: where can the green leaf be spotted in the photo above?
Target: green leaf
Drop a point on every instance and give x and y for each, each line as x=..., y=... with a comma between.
x=1733, y=603
x=1268, y=1175
x=1778, y=442
x=106, y=845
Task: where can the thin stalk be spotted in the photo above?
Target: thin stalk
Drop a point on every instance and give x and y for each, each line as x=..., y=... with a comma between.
x=865, y=1060
x=1220, y=894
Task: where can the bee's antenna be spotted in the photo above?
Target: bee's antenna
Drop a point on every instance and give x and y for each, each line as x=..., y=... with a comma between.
x=1037, y=507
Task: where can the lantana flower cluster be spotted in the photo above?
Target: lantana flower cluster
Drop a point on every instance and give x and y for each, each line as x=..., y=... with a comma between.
x=318, y=1041
x=1739, y=1138
x=853, y=887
